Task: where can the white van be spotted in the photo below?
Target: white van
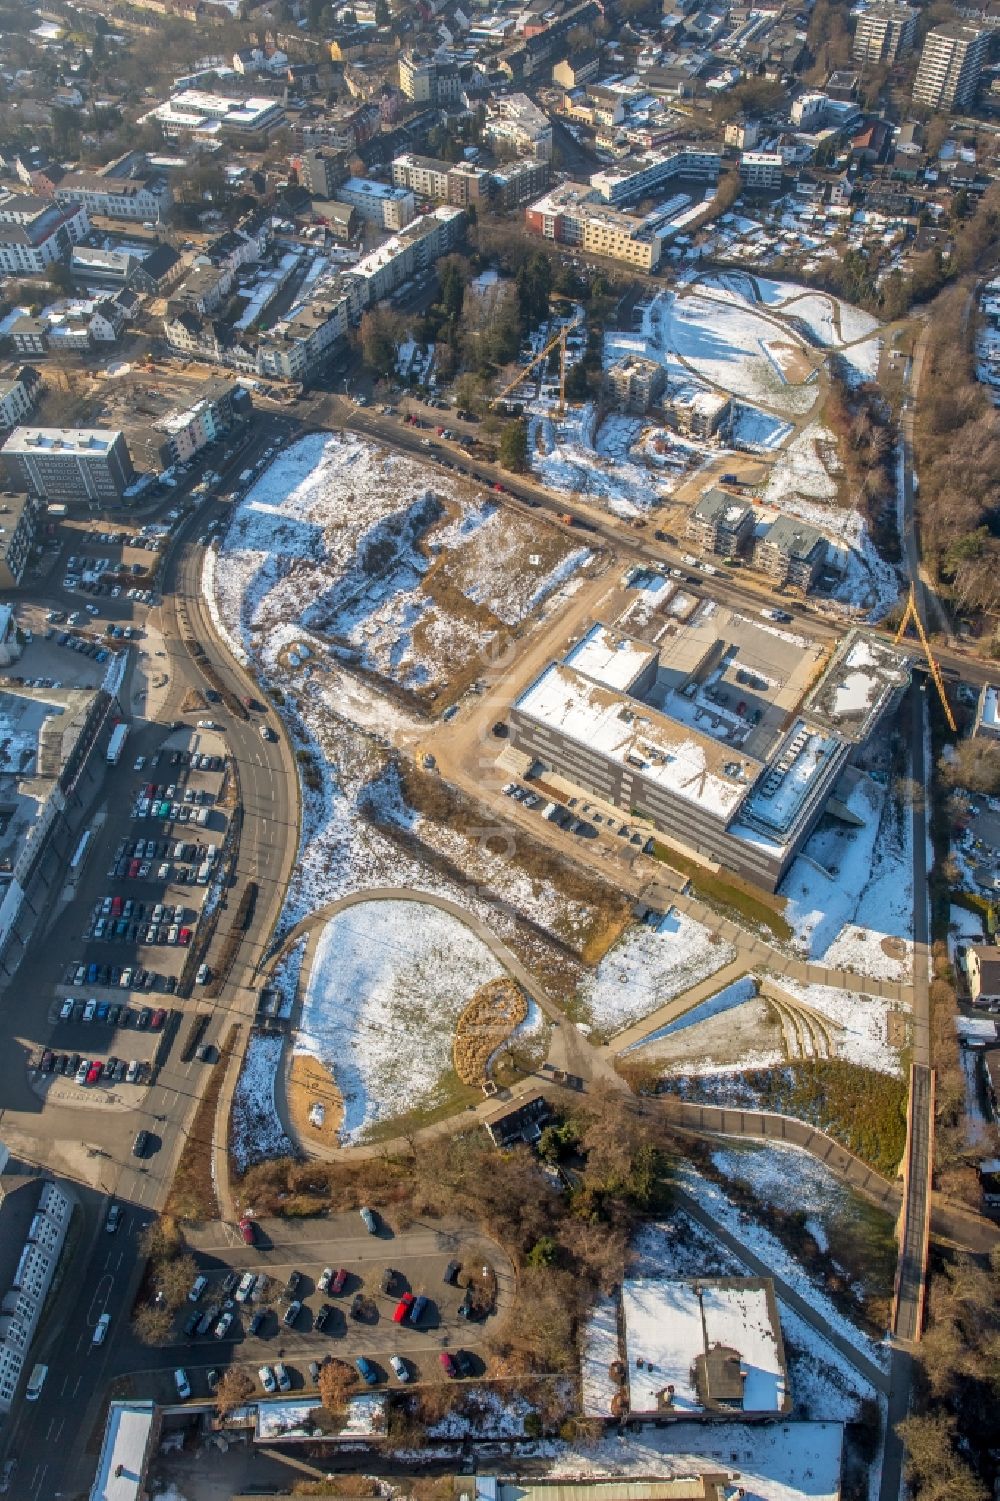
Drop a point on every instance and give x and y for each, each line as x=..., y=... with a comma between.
x=35, y=1383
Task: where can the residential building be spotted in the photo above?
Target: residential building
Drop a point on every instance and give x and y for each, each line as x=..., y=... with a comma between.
x=29, y=245
x=884, y=33
x=634, y=384
x=115, y=267
x=573, y=72
x=519, y=182
x=68, y=463
x=18, y=528
x=146, y=199
x=642, y=176
x=516, y=120
x=950, y=66
x=341, y=219
x=721, y=523
x=427, y=177
x=158, y=271
x=18, y=395
x=697, y=412
x=573, y=214
x=426, y=81
x=321, y=173
x=35, y=1216
x=378, y=203
x=761, y=169
x=791, y=552
x=982, y=967
x=742, y=133
x=640, y=724
x=221, y=406
x=508, y=1125
x=205, y=288
x=29, y=335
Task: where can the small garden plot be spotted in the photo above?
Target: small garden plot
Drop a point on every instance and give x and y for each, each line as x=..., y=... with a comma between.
x=648, y=967
x=347, y=546
x=255, y=1131
x=387, y=985
x=734, y=1029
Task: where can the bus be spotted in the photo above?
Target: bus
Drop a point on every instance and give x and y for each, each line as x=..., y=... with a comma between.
x=116, y=744
x=80, y=853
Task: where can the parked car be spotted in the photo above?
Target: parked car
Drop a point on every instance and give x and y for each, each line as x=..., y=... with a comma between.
x=370, y=1220
x=400, y=1368
x=182, y=1384
x=402, y=1309
x=291, y=1313
x=267, y=1380
x=366, y=1371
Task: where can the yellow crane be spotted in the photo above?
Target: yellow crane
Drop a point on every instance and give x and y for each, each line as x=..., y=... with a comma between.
x=911, y=613
x=560, y=339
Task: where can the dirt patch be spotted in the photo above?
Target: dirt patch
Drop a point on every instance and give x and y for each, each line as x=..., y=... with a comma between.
x=793, y=362
x=310, y=1084
x=487, y=1021
x=193, y=701
x=893, y=948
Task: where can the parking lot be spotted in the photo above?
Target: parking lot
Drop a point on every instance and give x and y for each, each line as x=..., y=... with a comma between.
x=112, y=1016
x=324, y=1288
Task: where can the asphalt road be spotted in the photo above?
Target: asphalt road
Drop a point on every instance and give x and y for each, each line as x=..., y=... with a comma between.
x=50, y=1436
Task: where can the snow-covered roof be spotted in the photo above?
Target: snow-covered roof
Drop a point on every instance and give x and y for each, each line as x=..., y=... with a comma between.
x=610, y=658
x=676, y=757
x=672, y=1328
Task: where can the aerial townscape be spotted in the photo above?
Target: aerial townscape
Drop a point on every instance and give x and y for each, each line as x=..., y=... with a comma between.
x=500, y=750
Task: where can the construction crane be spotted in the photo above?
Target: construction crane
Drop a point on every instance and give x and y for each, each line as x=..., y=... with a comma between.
x=560, y=339
x=911, y=613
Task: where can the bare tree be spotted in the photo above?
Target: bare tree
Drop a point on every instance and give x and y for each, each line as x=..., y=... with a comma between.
x=337, y=1381
x=235, y=1388
x=151, y=1324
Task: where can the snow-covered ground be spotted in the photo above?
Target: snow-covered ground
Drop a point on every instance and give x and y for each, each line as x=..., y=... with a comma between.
x=803, y=483
x=387, y=984
x=647, y=967
x=859, y=915
x=341, y=545
x=254, y=1129
x=736, y=994
x=723, y=343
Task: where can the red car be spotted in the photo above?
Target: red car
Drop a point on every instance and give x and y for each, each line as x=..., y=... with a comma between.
x=248, y=1230
x=337, y=1285
x=133, y=869
x=116, y=906
x=94, y=1072
x=184, y=936
x=403, y=1307
x=450, y=1369
x=158, y=1017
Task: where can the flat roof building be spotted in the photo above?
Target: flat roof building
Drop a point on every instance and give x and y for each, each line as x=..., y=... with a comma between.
x=706, y=730
x=378, y=203
x=721, y=523
x=950, y=66
x=59, y=463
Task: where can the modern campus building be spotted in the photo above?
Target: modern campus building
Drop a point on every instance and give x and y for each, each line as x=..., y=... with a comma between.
x=950, y=66
x=63, y=463
x=729, y=736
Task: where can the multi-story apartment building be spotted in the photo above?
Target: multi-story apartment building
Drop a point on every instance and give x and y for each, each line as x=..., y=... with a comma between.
x=222, y=405
x=320, y=173
x=427, y=177
x=68, y=463
x=517, y=120
x=721, y=524
x=34, y=1219
x=18, y=395
x=519, y=182
x=950, y=66
x=640, y=176
x=884, y=33
x=426, y=81
x=633, y=383
x=761, y=169
x=792, y=552
x=572, y=214
x=378, y=203
x=18, y=528
x=146, y=199
x=35, y=233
